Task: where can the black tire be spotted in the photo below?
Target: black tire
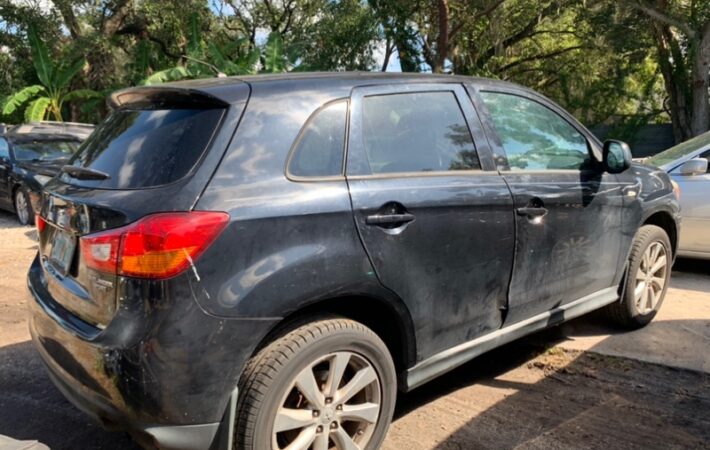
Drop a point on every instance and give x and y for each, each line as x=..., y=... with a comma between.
x=21, y=201
x=267, y=380
x=625, y=312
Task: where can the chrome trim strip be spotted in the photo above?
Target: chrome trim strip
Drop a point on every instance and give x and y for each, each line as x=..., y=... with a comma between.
x=447, y=360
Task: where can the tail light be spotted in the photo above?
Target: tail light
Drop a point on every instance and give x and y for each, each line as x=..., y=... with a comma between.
x=156, y=246
x=41, y=223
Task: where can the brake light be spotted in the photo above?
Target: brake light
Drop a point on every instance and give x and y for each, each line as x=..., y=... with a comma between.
x=156, y=246
x=41, y=223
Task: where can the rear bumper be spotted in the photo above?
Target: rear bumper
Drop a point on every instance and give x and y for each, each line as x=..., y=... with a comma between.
x=173, y=437
x=167, y=375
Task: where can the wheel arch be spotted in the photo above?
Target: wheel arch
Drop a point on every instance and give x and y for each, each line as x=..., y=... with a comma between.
x=665, y=221
x=389, y=319
x=15, y=187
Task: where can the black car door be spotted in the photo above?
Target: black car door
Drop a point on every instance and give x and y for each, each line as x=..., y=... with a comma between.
x=435, y=217
x=5, y=168
x=569, y=241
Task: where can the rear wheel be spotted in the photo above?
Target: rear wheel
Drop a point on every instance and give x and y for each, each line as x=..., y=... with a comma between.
x=23, y=208
x=647, y=279
x=327, y=384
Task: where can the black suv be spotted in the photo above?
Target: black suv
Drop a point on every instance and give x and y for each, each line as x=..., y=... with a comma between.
x=263, y=262
x=31, y=154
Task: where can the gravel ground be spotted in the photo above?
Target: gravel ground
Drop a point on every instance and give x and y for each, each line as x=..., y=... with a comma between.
x=532, y=394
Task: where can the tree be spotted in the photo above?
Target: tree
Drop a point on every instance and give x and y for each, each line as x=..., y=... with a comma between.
x=47, y=98
x=344, y=38
x=682, y=33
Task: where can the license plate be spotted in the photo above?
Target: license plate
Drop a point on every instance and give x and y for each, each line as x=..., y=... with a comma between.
x=62, y=251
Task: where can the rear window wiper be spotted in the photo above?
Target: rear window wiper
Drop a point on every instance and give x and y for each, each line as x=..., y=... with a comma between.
x=83, y=173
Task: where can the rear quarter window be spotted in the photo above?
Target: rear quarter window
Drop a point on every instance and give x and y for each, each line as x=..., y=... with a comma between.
x=146, y=148
x=318, y=150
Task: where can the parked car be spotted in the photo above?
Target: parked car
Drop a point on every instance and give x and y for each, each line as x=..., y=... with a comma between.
x=30, y=155
x=264, y=262
x=687, y=164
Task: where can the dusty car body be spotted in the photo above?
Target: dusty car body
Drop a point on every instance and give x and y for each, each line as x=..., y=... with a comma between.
x=335, y=264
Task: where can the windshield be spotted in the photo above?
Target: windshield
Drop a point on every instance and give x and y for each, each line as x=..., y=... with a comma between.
x=680, y=150
x=44, y=150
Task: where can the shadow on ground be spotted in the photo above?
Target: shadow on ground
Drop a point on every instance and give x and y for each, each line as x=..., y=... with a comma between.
x=576, y=400
x=561, y=400
x=32, y=408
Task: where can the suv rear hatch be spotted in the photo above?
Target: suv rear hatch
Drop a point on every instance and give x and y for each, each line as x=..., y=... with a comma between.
x=154, y=153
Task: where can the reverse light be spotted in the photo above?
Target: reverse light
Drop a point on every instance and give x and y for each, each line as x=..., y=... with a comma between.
x=156, y=246
x=676, y=189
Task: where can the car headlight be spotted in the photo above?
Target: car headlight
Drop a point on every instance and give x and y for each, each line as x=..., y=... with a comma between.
x=676, y=189
x=42, y=179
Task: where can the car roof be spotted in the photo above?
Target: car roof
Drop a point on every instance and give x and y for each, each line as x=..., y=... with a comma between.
x=219, y=87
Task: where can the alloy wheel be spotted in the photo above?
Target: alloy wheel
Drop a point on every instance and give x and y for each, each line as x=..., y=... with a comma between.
x=334, y=403
x=21, y=207
x=651, y=278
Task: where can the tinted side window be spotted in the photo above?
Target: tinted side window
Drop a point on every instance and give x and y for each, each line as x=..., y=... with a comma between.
x=534, y=137
x=4, y=149
x=319, y=149
x=144, y=148
x=417, y=132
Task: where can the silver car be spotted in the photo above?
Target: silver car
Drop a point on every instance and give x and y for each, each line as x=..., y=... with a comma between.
x=687, y=164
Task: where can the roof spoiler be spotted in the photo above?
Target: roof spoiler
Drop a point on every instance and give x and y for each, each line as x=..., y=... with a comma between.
x=164, y=97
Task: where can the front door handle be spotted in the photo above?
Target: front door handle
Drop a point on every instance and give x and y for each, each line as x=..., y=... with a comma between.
x=532, y=211
x=389, y=219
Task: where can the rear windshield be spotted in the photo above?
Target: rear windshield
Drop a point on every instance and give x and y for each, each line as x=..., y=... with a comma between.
x=145, y=148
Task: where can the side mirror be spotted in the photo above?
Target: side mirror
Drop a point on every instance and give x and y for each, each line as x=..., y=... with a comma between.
x=695, y=166
x=617, y=156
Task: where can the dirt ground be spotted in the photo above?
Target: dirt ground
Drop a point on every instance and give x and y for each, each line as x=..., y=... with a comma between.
x=582, y=385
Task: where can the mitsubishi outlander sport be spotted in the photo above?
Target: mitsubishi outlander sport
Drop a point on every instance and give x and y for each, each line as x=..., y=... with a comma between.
x=264, y=262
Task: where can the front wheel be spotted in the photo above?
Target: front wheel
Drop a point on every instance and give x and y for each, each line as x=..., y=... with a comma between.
x=23, y=208
x=647, y=278
x=327, y=384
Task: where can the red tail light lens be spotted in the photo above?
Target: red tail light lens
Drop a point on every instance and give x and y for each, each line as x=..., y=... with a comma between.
x=156, y=246
x=41, y=223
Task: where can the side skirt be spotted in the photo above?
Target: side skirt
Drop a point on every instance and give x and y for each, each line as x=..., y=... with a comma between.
x=447, y=360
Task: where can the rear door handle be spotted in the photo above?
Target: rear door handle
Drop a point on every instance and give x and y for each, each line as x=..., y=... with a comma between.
x=532, y=211
x=389, y=219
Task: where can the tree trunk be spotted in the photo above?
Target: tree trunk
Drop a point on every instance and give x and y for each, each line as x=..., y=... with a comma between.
x=677, y=105
x=700, y=83
x=442, y=41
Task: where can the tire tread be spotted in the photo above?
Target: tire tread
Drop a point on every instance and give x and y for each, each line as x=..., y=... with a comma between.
x=261, y=370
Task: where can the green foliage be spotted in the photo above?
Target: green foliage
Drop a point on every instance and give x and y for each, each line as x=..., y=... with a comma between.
x=274, y=57
x=231, y=57
x=37, y=109
x=40, y=58
x=15, y=101
x=65, y=75
x=344, y=38
x=54, y=88
x=164, y=76
x=599, y=59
